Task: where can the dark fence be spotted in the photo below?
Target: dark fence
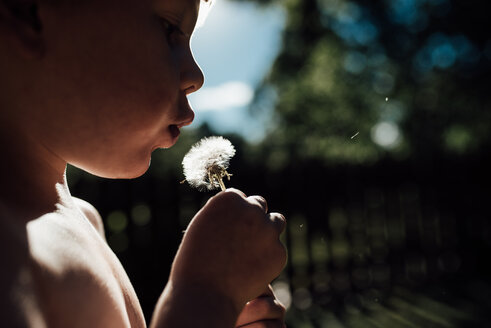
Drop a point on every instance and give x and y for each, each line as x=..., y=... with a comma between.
x=396, y=244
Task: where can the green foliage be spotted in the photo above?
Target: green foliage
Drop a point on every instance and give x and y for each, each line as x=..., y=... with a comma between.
x=321, y=109
x=358, y=81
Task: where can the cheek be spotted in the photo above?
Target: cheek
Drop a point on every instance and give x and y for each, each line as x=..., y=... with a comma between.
x=115, y=58
x=116, y=84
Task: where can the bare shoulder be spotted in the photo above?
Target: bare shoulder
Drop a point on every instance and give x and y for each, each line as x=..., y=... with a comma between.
x=77, y=275
x=91, y=214
x=19, y=306
x=57, y=272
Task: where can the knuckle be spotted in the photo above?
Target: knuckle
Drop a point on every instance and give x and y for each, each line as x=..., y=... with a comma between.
x=259, y=201
x=279, y=221
x=282, y=254
x=236, y=191
x=229, y=195
x=228, y=198
x=254, y=215
x=277, y=259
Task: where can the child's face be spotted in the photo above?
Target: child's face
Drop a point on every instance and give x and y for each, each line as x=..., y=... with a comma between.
x=113, y=81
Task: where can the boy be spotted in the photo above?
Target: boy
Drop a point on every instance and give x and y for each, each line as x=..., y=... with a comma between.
x=101, y=84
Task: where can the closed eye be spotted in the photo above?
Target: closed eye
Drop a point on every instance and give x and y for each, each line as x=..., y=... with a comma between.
x=172, y=31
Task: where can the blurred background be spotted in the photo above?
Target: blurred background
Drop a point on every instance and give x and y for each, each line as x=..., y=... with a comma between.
x=367, y=124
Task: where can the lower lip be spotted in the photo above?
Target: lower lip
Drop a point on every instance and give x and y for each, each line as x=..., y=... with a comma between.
x=174, y=131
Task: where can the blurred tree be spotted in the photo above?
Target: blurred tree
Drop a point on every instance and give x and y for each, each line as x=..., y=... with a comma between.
x=359, y=80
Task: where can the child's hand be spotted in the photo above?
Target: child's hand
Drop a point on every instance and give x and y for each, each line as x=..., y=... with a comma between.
x=262, y=312
x=231, y=248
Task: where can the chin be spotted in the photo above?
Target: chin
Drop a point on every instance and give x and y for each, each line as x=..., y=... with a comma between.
x=132, y=172
x=128, y=174
x=129, y=170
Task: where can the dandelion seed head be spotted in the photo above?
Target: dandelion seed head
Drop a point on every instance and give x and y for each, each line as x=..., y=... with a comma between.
x=207, y=158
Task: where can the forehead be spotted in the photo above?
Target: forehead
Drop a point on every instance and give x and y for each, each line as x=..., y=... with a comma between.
x=180, y=7
x=184, y=11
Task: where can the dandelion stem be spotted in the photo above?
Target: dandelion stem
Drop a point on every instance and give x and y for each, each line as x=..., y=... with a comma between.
x=222, y=185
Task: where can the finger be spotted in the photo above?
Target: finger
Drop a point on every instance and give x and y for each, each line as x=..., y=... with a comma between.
x=279, y=221
x=237, y=191
x=259, y=200
x=265, y=324
x=261, y=308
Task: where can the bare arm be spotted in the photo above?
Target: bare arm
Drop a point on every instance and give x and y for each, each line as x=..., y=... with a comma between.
x=229, y=254
x=193, y=306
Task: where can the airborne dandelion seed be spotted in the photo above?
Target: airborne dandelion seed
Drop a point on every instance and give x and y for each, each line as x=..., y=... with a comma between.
x=206, y=163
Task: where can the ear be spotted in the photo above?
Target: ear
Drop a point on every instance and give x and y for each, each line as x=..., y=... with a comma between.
x=21, y=27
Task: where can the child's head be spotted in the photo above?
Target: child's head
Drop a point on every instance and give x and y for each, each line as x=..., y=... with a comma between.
x=100, y=83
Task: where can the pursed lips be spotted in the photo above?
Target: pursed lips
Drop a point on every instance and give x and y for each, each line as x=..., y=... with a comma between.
x=186, y=111
x=187, y=119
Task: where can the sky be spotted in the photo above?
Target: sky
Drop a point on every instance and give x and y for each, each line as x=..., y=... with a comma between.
x=235, y=47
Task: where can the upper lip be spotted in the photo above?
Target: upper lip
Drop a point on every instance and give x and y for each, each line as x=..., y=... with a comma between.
x=189, y=114
x=188, y=122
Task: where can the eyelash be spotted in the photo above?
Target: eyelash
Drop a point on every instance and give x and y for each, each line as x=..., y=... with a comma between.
x=171, y=30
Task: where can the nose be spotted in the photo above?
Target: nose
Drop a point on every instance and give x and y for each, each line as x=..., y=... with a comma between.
x=192, y=78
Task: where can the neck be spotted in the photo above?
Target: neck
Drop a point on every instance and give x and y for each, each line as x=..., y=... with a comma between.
x=32, y=178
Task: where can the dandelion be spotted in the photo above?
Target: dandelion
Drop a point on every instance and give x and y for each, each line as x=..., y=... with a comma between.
x=206, y=163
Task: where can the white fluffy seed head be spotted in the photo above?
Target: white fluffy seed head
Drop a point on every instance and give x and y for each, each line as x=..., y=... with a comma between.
x=206, y=157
